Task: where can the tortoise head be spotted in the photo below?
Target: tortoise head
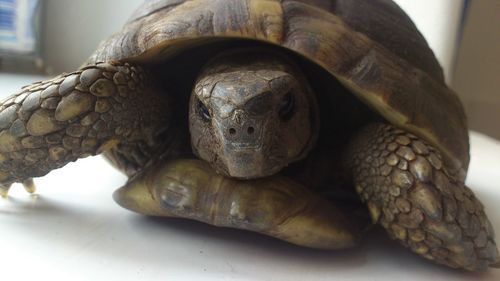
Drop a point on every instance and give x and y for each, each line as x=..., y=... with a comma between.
x=252, y=113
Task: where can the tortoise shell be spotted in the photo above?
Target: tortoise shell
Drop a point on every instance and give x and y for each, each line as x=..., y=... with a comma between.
x=370, y=46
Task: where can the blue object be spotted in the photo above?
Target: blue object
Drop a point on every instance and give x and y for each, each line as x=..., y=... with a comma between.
x=18, y=25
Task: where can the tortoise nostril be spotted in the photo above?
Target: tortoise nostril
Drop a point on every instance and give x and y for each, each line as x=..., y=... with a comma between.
x=250, y=130
x=232, y=131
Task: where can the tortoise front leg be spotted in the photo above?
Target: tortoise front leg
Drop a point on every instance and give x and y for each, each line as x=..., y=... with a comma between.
x=413, y=195
x=273, y=206
x=51, y=123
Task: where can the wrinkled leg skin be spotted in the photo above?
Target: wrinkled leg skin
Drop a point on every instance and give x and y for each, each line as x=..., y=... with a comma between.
x=412, y=194
x=97, y=108
x=275, y=206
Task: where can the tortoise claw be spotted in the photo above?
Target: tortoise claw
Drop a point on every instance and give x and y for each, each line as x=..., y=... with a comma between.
x=29, y=185
x=4, y=190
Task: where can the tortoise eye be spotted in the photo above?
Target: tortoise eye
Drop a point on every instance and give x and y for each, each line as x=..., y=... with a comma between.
x=287, y=107
x=203, y=111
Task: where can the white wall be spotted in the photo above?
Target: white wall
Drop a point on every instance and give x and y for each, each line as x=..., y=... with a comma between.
x=73, y=29
x=438, y=21
x=477, y=75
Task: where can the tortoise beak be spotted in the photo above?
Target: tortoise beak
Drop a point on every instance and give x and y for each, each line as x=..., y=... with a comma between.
x=243, y=148
x=245, y=163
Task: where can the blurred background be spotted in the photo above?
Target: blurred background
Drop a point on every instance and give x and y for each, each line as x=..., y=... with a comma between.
x=61, y=34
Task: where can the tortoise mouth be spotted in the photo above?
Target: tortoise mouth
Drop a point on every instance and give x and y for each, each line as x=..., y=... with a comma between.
x=250, y=163
x=254, y=156
x=245, y=146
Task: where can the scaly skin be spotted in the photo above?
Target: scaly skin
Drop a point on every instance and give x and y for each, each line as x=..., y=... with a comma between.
x=94, y=109
x=417, y=199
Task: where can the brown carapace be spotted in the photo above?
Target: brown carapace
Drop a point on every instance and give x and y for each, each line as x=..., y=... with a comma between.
x=291, y=118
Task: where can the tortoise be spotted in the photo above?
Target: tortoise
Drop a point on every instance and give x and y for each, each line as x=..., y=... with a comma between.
x=307, y=121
